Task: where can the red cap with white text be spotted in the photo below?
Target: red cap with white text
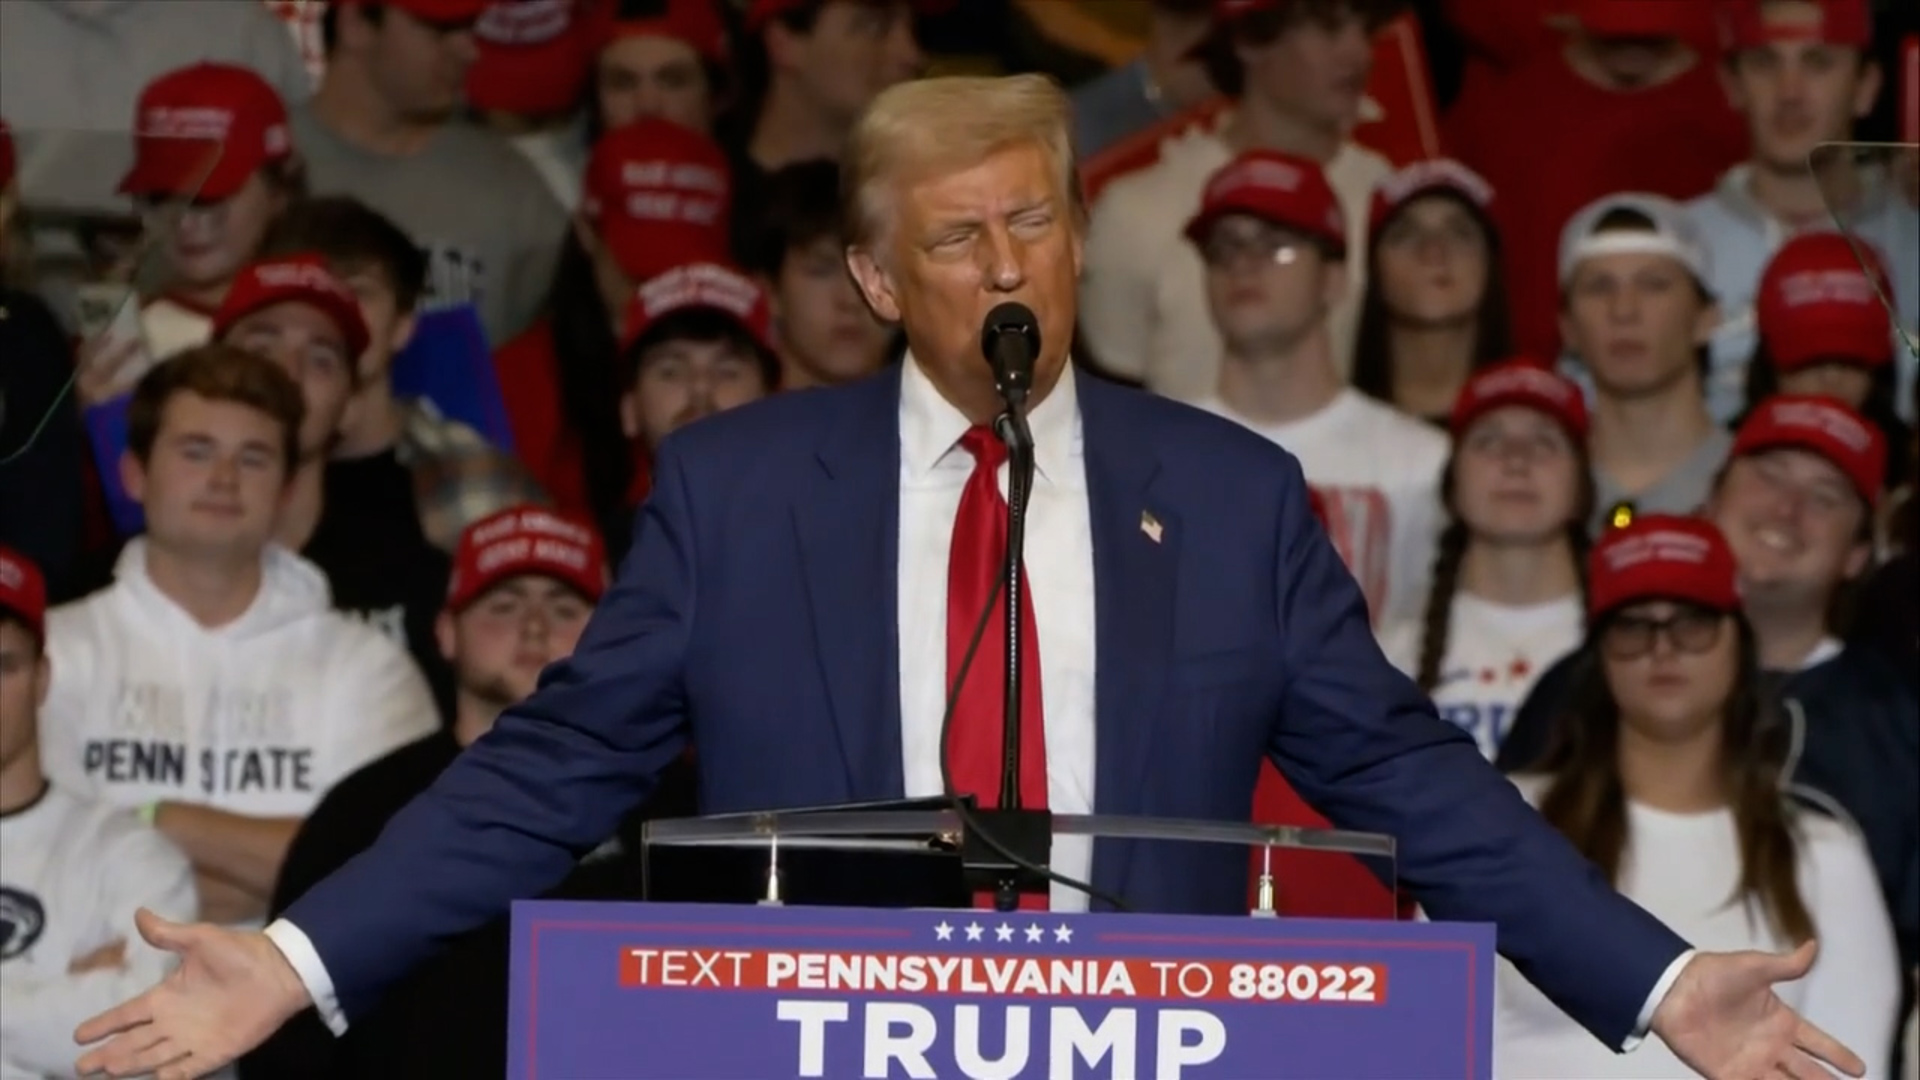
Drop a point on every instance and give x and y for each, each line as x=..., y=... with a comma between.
x=1280, y=188
x=1527, y=383
x=1826, y=427
x=203, y=131
x=695, y=23
x=23, y=592
x=1816, y=303
x=1750, y=24
x=658, y=193
x=526, y=540
x=700, y=285
x=1662, y=557
x=301, y=279
x=534, y=58
x=1425, y=178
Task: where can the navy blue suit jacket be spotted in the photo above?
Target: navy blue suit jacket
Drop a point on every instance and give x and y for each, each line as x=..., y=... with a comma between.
x=756, y=615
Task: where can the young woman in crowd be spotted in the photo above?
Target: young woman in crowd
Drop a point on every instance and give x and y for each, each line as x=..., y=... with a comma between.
x=1435, y=306
x=1506, y=596
x=1670, y=775
x=656, y=195
x=214, y=166
x=1824, y=330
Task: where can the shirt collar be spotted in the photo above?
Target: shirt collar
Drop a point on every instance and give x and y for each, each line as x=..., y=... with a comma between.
x=930, y=426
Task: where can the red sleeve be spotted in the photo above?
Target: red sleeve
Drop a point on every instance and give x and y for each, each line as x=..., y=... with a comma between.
x=529, y=373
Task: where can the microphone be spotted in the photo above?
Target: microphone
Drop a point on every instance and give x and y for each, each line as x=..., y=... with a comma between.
x=1010, y=340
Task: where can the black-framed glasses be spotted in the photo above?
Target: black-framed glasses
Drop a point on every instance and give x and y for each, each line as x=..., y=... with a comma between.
x=1688, y=630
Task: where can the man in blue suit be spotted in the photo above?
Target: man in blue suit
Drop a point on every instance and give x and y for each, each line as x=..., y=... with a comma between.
x=786, y=605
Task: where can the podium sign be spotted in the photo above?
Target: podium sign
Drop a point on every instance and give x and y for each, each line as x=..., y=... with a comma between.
x=725, y=992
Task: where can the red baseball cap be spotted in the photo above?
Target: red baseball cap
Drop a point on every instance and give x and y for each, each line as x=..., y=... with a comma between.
x=442, y=12
x=1825, y=426
x=204, y=130
x=1280, y=188
x=7, y=160
x=526, y=540
x=761, y=12
x=1749, y=24
x=1662, y=557
x=23, y=592
x=1817, y=302
x=700, y=285
x=658, y=194
x=695, y=22
x=1690, y=20
x=294, y=278
x=534, y=58
x=1523, y=382
x=1402, y=186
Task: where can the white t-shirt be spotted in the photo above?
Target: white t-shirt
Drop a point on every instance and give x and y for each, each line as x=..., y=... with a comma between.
x=1378, y=473
x=1683, y=868
x=259, y=717
x=1143, y=299
x=72, y=873
x=1494, y=654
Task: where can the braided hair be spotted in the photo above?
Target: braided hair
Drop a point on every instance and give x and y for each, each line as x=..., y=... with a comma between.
x=1451, y=553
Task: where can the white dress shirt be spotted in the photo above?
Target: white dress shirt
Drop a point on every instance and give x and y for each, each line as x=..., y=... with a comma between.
x=1059, y=558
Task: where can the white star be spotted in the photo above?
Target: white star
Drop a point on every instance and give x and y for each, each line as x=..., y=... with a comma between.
x=943, y=932
x=973, y=931
x=1034, y=933
x=1063, y=932
x=1003, y=932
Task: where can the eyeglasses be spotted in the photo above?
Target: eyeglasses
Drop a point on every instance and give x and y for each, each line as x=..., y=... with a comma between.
x=1224, y=249
x=1690, y=630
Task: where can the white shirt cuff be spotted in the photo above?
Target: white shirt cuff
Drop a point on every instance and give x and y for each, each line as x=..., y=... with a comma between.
x=1654, y=999
x=299, y=951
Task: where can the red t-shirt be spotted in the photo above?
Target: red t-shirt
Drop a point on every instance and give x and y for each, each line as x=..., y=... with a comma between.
x=1550, y=142
x=1317, y=885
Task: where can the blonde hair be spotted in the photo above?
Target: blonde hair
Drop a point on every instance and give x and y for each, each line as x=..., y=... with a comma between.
x=927, y=127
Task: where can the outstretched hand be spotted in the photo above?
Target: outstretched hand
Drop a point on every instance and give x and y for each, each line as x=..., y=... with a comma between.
x=231, y=990
x=1723, y=1018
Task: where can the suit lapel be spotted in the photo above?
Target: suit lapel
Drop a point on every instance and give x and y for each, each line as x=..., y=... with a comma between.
x=847, y=518
x=1136, y=542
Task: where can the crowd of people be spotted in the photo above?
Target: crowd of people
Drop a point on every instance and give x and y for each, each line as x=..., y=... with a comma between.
x=329, y=392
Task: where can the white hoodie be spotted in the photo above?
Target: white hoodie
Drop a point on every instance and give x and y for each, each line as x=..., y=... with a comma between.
x=258, y=717
x=72, y=873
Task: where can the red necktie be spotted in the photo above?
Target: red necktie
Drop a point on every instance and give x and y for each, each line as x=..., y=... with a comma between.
x=974, y=567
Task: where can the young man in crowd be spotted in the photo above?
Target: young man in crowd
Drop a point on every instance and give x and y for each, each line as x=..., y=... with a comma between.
x=808, y=71
x=211, y=686
x=1165, y=81
x=384, y=128
x=698, y=340
x=1274, y=241
x=1802, y=72
x=1627, y=101
x=524, y=583
x=661, y=58
x=72, y=871
x=1297, y=71
x=1796, y=503
x=401, y=480
x=1637, y=311
x=825, y=332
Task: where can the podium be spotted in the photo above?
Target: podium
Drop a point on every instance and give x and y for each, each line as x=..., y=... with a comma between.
x=843, y=944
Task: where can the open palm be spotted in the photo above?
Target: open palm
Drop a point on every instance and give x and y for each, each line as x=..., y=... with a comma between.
x=230, y=991
x=1723, y=1018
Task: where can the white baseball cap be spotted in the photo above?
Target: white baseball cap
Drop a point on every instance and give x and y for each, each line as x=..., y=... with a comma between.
x=1671, y=234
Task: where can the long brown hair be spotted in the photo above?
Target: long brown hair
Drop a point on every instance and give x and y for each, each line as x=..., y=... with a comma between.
x=1586, y=801
x=1451, y=552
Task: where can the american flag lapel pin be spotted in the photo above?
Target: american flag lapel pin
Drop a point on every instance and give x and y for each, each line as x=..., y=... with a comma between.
x=1150, y=525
